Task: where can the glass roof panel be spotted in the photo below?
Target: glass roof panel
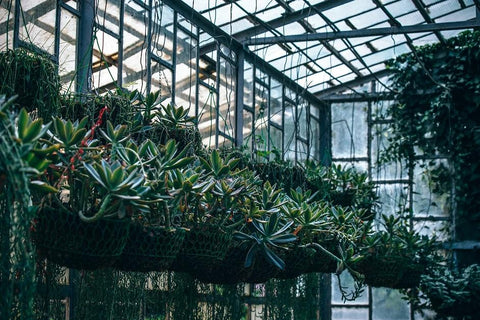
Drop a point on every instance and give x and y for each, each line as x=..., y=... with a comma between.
x=255, y=6
x=401, y=7
x=461, y=15
x=443, y=8
x=411, y=19
x=351, y=8
x=366, y=19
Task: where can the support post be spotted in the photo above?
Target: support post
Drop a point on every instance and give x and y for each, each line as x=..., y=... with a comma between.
x=85, y=45
x=239, y=99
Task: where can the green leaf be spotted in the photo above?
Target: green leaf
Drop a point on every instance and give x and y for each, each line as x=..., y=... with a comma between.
x=91, y=170
x=23, y=122
x=273, y=258
x=42, y=186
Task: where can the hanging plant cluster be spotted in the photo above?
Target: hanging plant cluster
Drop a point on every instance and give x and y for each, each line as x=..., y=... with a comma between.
x=437, y=112
x=114, y=195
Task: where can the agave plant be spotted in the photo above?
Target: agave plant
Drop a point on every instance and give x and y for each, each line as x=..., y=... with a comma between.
x=265, y=236
x=118, y=189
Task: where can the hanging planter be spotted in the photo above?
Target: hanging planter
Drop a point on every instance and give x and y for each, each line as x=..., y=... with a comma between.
x=61, y=237
x=203, y=244
x=383, y=271
x=344, y=198
x=33, y=78
x=411, y=276
x=150, y=248
x=296, y=262
x=322, y=262
x=225, y=271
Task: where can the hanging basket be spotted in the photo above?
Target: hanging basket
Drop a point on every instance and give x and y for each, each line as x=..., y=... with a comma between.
x=261, y=271
x=203, y=245
x=150, y=248
x=411, y=275
x=296, y=262
x=322, y=262
x=382, y=271
x=225, y=271
x=231, y=269
x=342, y=198
x=61, y=237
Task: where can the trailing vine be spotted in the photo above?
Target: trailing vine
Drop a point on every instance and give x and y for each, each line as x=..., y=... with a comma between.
x=437, y=114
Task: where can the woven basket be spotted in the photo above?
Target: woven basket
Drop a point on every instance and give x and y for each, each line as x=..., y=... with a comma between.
x=61, y=237
x=203, y=245
x=231, y=269
x=342, y=198
x=297, y=262
x=150, y=249
x=410, y=276
x=382, y=271
x=225, y=271
x=322, y=262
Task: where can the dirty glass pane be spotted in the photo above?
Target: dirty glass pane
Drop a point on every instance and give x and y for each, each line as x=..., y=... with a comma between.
x=227, y=96
x=247, y=129
x=302, y=111
x=382, y=170
x=275, y=141
x=248, y=84
x=346, y=281
x=162, y=32
x=207, y=105
x=314, y=139
x=37, y=24
x=389, y=305
x=186, y=71
x=289, y=129
x=134, y=72
x=429, y=176
x=349, y=313
x=104, y=64
x=162, y=81
x=349, y=130
x=68, y=50
x=392, y=198
x=276, y=114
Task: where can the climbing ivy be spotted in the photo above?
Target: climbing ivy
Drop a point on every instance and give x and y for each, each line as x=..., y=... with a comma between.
x=437, y=114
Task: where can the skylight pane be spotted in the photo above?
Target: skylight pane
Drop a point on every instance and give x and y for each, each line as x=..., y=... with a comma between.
x=366, y=19
x=462, y=15
x=401, y=7
x=443, y=8
x=347, y=10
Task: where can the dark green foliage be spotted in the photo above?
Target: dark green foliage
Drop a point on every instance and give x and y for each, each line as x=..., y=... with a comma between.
x=77, y=106
x=453, y=294
x=33, y=78
x=438, y=112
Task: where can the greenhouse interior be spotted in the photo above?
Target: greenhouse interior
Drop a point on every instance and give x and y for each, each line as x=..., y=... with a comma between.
x=321, y=155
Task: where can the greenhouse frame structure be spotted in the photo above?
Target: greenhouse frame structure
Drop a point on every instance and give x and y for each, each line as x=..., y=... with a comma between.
x=304, y=78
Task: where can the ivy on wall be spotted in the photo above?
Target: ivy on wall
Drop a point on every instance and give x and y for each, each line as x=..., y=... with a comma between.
x=438, y=114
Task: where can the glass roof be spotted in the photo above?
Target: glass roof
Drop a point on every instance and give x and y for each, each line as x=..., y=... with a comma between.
x=313, y=54
x=325, y=65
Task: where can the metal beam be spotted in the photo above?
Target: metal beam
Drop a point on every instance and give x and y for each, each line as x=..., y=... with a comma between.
x=421, y=8
x=353, y=97
x=280, y=21
x=85, y=45
x=366, y=32
x=227, y=40
x=351, y=84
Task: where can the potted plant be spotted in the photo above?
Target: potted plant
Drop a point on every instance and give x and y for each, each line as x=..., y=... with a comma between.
x=453, y=295
x=153, y=241
x=396, y=256
x=33, y=78
x=85, y=224
x=207, y=199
